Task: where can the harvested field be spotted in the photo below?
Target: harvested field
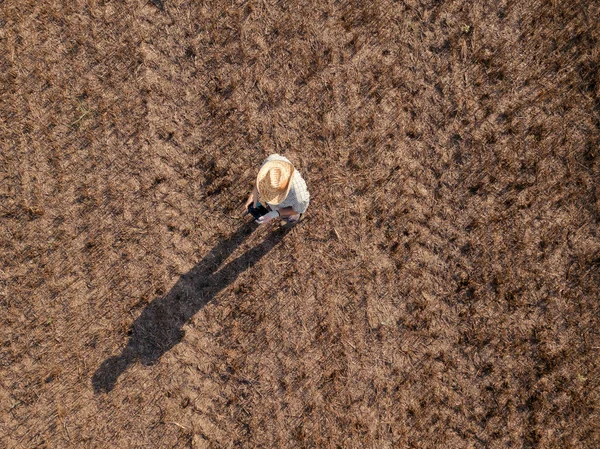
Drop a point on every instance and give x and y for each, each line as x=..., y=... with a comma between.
x=443, y=291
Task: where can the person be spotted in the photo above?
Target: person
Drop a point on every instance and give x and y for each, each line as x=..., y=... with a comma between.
x=279, y=192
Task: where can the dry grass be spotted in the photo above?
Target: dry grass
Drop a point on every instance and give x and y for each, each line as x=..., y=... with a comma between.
x=443, y=291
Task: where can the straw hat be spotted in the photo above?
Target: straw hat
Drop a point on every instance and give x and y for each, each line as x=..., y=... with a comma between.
x=274, y=181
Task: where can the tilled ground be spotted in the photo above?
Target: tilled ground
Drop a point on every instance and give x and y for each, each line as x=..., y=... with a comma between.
x=442, y=292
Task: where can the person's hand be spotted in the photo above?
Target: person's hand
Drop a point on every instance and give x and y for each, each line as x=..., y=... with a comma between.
x=252, y=199
x=268, y=217
x=248, y=203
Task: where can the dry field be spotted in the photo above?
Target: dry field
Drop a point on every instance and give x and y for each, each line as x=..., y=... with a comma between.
x=443, y=291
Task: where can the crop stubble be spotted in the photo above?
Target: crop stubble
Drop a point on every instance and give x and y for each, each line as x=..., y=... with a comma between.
x=443, y=291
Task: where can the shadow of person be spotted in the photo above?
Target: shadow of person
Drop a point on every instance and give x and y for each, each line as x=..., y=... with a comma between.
x=159, y=327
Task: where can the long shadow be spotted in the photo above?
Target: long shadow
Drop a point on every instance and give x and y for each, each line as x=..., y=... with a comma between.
x=159, y=327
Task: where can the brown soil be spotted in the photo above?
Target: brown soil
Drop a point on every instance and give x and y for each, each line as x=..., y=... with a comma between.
x=442, y=292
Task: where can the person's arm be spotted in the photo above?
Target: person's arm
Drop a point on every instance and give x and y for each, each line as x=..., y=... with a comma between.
x=252, y=199
x=287, y=212
x=279, y=213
